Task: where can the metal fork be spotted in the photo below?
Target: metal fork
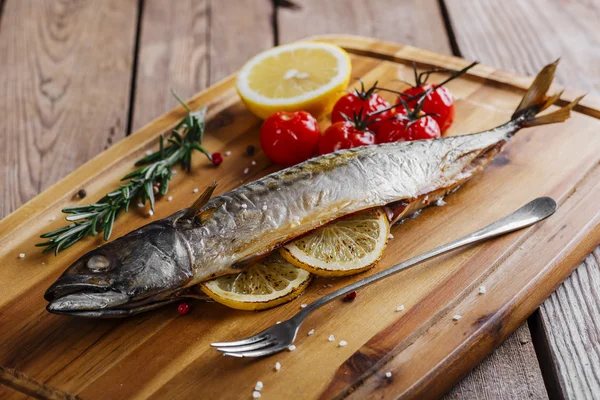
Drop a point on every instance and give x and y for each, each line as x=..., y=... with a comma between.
x=280, y=336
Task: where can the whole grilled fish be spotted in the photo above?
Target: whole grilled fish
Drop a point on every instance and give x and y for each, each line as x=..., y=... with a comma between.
x=162, y=261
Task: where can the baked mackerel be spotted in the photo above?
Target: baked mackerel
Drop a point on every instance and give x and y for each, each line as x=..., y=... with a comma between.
x=163, y=261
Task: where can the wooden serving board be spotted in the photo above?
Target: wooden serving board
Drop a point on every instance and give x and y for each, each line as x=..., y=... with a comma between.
x=161, y=354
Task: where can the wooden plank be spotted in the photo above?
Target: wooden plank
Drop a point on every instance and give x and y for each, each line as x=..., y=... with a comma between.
x=65, y=82
x=505, y=35
x=494, y=33
x=415, y=22
x=570, y=322
x=510, y=372
x=118, y=358
x=188, y=45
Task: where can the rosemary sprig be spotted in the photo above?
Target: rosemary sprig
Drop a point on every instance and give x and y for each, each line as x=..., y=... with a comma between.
x=154, y=171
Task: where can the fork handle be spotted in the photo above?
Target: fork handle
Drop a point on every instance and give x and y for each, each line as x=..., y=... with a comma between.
x=529, y=214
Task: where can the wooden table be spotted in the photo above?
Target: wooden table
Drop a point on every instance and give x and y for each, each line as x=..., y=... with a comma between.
x=77, y=76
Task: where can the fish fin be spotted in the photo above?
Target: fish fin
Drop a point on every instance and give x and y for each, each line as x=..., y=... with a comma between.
x=536, y=100
x=199, y=203
x=204, y=214
x=535, y=97
x=560, y=115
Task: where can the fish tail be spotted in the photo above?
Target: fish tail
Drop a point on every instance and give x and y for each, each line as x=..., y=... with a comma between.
x=536, y=100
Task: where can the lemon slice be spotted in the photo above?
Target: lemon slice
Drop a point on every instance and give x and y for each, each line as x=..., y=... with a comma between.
x=307, y=76
x=265, y=284
x=345, y=247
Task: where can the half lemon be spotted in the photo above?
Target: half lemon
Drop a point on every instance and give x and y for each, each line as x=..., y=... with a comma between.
x=306, y=76
x=265, y=284
x=345, y=247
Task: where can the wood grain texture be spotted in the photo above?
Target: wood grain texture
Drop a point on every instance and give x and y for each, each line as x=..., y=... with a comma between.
x=95, y=358
x=510, y=372
x=570, y=320
x=27, y=386
x=519, y=36
x=486, y=319
x=188, y=45
x=65, y=88
x=478, y=26
x=396, y=21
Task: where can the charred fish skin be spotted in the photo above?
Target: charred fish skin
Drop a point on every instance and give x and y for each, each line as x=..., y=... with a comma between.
x=156, y=264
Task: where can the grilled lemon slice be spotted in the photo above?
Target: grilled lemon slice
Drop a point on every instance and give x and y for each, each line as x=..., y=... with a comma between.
x=265, y=284
x=307, y=76
x=345, y=247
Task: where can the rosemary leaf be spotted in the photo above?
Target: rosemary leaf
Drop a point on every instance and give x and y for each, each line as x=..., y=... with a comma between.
x=184, y=139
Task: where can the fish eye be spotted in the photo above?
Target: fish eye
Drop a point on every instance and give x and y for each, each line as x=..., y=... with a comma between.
x=98, y=263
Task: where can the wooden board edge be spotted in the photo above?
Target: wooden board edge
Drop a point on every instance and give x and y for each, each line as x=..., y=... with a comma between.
x=22, y=383
x=360, y=45
x=482, y=340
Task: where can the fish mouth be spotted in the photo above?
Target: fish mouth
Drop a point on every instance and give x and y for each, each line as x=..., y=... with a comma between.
x=90, y=297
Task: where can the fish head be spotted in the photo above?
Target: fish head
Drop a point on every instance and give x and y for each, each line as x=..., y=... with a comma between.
x=137, y=272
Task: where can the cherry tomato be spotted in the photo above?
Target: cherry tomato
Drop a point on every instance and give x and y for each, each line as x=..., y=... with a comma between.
x=362, y=100
x=344, y=135
x=399, y=130
x=439, y=102
x=288, y=138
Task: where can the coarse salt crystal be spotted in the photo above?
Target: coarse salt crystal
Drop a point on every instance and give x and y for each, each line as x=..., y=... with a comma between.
x=256, y=394
x=457, y=317
x=312, y=331
x=196, y=190
x=277, y=323
x=303, y=305
x=259, y=386
x=170, y=198
x=244, y=206
x=440, y=202
x=388, y=374
x=174, y=171
x=227, y=153
x=277, y=366
x=53, y=218
x=331, y=338
x=150, y=213
x=140, y=205
x=148, y=152
x=390, y=236
x=400, y=308
x=253, y=162
x=292, y=348
x=342, y=343
x=246, y=170
x=482, y=290
x=264, y=208
x=22, y=255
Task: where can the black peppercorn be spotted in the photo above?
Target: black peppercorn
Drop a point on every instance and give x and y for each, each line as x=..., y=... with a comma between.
x=81, y=193
x=250, y=150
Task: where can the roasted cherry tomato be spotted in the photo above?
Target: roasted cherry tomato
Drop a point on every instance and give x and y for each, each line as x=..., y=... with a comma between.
x=288, y=138
x=440, y=102
x=361, y=100
x=399, y=129
x=344, y=135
